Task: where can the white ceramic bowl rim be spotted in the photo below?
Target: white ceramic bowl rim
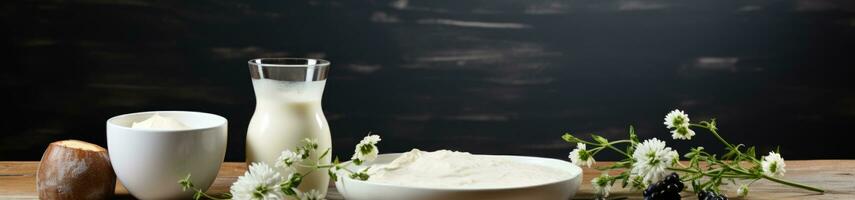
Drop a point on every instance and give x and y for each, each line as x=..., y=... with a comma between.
x=573, y=169
x=220, y=121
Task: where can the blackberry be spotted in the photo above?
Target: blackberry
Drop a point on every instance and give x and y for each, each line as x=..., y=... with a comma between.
x=666, y=189
x=710, y=195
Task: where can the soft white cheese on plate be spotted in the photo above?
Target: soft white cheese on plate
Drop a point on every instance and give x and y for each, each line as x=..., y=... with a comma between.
x=452, y=169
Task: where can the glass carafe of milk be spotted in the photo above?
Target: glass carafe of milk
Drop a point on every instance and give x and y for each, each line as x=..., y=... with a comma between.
x=288, y=109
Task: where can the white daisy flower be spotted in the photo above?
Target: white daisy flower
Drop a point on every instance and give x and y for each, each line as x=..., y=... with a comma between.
x=260, y=182
x=332, y=170
x=652, y=158
x=676, y=118
x=742, y=191
x=601, y=185
x=637, y=182
x=288, y=158
x=773, y=164
x=366, y=150
x=302, y=152
x=311, y=143
x=291, y=181
x=370, y=139
x=311, y=195
x=682, y=133
x=580, y=156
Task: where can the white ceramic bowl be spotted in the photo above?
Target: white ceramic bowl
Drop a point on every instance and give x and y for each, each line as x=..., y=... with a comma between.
x=149, y=162
x=564, y=189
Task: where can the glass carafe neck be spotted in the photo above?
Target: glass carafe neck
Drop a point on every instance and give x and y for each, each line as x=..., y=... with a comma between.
x=289, y=69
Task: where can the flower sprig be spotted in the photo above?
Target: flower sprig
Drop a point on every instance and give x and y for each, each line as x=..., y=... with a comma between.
x=262, y=182
x=649, y=161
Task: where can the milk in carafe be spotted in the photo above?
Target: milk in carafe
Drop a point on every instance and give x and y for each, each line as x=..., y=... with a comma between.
x=286, y=113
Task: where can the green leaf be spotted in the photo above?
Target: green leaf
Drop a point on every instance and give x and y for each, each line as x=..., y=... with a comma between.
x=624, y=177
x=695, y=186
x=289, y=191
x=728, y=155
x=569, y=138
x=603, y=141
x=695, y=152
x=751, y=152
x=732, y=153
x=711, y=124
x=624, y=182
x=710, y=159
x=326, y=152
x=693, y=162
x=359, y=176
x=616, y=165
x=332, y=174
x=690, y=155
x=632, y=136
x=186, y=183
x=293, y=182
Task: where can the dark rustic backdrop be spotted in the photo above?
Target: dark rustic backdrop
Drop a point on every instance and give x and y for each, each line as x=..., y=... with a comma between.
x=486, y=76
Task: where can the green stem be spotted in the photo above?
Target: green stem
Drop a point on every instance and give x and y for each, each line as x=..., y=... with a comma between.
x=324, y=166
x=619, y=141
x=345, y=167
x=316, y=166
x=773, y=179
x=709, y=174
x=598, y=144
x=734, y=169
x=302, y=165
x=794, y=184
x=681, y=164
x=721, y=139
x=715, y=133
x=682, y=170
x=594, y=151
x=619, y=151
x=206, y=195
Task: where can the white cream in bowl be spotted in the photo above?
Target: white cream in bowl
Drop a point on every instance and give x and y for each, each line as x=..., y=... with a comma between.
x=160, y=122
x=150, y=151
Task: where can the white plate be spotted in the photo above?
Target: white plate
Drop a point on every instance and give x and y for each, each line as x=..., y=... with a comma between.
x=563, y=189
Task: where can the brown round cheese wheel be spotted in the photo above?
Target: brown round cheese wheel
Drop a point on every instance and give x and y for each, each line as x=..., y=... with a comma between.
x=72, y=169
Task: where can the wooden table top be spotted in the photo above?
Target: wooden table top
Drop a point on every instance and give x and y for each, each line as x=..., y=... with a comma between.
x=17, y=181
